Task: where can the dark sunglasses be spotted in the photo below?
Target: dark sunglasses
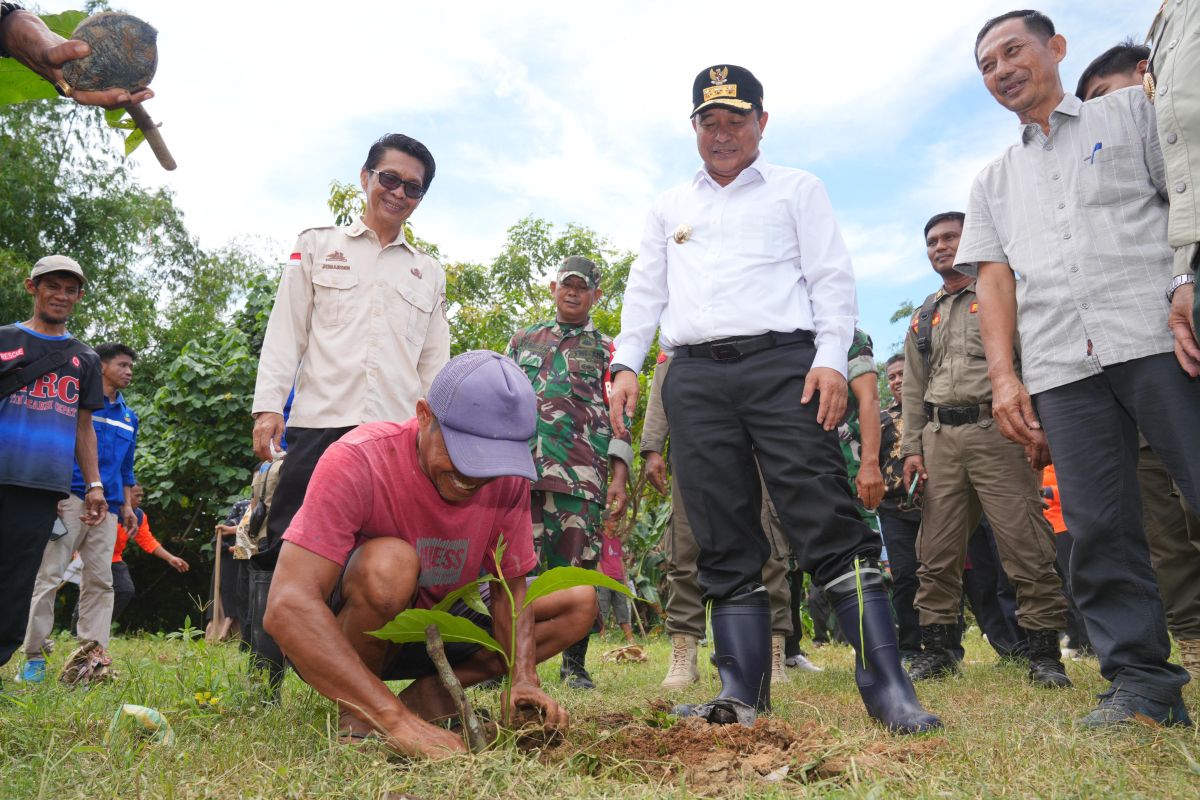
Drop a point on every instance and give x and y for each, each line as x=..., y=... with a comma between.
x=391, y=181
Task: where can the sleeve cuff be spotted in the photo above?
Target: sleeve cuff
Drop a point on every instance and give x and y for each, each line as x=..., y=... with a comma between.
x=828, y=357
x=622, y=450
x=1184, y=258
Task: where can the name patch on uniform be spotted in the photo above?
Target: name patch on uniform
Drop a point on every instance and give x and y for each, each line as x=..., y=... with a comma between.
x=11, y=354
x=327, y=265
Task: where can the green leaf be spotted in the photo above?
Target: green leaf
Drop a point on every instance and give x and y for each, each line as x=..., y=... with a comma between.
x=132, y=141
x=559, y=578
x=469, y=594
x=17, y=83
x=409, y=626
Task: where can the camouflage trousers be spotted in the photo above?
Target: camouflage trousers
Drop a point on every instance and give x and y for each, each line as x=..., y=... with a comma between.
x=566, y=530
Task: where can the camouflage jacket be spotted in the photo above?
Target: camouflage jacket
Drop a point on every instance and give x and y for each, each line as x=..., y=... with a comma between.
x=895, y=494
x=568, y=367
x=861, y=358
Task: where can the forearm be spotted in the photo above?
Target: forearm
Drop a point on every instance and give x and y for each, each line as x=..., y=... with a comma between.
x=997, y=292
x=26, y=38
x=866, y=394
x=163, y=553
x=308, y=633
x=85, y=448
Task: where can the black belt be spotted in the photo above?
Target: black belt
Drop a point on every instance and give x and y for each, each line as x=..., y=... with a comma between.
x=962, y=415
x=735, y=349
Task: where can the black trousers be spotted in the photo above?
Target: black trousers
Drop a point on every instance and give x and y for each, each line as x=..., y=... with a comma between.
x=1076, y=629
x=26, y=517
x=1092, y=426
x=305, y=448
x=900, y=536
x=723, y=415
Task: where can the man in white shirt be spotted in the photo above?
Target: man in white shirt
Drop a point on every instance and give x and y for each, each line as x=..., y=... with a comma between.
x=744, y=269
x=358, y=328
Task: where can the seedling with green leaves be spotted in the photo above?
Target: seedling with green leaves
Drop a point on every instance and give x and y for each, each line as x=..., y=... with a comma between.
x=410, y=625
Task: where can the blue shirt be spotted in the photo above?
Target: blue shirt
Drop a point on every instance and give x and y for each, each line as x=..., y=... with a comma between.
x=38, y=421
x=116, y=437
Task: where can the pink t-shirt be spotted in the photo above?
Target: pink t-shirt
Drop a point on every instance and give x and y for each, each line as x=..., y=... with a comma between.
x=369, y=484
x=612, y=558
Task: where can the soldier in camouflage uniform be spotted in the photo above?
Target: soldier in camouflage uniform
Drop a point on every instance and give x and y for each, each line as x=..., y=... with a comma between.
x=567, y=359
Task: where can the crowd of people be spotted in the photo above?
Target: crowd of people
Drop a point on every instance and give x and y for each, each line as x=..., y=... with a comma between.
x=1063, y=334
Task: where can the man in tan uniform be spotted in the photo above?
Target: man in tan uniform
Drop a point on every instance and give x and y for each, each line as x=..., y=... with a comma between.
x=684, y=607
x=358, y=329
x=952, y=446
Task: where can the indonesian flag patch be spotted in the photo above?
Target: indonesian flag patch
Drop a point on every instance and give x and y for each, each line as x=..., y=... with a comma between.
x=294, y=260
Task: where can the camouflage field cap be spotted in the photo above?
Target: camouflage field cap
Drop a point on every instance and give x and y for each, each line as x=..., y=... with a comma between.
x=726, y=86
x=583, y=267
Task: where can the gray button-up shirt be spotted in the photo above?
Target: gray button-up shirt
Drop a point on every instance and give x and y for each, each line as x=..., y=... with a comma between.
x=1081, y=218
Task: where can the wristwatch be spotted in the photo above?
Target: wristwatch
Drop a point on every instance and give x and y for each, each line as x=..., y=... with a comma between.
x=1176, y=282
x=95, y=485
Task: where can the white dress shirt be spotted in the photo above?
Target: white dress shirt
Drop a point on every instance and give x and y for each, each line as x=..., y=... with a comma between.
x=761, y=254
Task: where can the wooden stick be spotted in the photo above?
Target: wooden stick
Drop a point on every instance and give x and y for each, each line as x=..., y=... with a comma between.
x=150, y=130
x=213, y=634
x=472, y=730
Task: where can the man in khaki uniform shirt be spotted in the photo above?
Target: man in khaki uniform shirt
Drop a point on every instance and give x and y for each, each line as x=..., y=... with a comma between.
x=359, y=329
x=966, y=465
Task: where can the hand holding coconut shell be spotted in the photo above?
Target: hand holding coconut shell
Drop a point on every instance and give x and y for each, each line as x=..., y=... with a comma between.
x=27, y=39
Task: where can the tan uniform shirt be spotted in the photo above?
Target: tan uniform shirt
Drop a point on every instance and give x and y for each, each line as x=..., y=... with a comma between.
x=957, y=375
x=361, y=330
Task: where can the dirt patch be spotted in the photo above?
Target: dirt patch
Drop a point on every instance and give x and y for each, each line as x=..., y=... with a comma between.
x=713, y=758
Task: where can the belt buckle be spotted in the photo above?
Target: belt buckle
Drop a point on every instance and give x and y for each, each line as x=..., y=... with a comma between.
x=725, y=351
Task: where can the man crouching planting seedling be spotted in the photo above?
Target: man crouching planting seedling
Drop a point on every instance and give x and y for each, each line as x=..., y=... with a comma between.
x=398, y=517
x=450, y=620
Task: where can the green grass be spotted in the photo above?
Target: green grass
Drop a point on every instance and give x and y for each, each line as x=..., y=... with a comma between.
x=1003, y=738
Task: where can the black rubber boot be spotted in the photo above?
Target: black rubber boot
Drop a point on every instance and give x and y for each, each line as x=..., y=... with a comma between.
x=264, y=653
x=573, y=672
x=936, y=659
x=742, y=645
x=1045, y=660
x=886, y=689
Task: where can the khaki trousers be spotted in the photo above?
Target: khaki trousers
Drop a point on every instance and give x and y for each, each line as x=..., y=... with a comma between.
x=973, y=469
x=684, y=608
x=95, y=544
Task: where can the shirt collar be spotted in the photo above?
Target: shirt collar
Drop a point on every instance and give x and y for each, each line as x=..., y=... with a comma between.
x=1068, y=106
x=566, y=326
x=359, y=228
x=757, y=171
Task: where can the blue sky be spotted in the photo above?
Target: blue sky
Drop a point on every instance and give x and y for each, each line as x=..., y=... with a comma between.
x=578, y=113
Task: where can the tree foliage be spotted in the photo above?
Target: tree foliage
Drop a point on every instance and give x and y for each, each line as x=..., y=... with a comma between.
x=195, y=316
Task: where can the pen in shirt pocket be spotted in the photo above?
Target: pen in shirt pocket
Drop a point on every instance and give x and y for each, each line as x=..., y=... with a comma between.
x=1095, y=148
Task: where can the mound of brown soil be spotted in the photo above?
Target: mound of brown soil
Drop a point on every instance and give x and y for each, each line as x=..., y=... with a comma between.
x=713, y=758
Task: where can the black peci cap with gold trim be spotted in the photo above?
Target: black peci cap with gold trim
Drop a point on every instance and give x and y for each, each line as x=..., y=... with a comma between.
x=726, y=86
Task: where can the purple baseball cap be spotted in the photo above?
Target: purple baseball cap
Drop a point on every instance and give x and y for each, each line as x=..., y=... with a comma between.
x=487, y=412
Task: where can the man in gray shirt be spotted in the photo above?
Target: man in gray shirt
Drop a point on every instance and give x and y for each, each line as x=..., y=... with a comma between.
x=1067, y=233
